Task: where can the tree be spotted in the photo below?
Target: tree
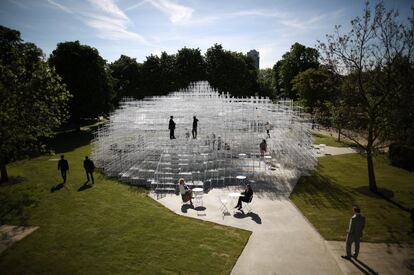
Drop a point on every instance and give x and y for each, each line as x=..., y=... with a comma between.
x=315, y=88
x=369, y=55
x=265, y=83
x=298, y=59
x=85, y=73
x=230, y=71
x=33, y=98
x=126, y=72
x=190, y=66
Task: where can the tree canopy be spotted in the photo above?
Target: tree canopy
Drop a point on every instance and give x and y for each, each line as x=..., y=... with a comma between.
x=230, y=71
x=33, y=97
x=87, y=78
x=369, y=56
x=298, y=59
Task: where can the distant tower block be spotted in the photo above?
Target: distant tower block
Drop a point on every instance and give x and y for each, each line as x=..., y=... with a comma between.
x=255, y=56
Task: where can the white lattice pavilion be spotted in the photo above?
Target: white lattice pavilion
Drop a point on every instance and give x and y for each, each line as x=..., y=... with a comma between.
x=135, y=143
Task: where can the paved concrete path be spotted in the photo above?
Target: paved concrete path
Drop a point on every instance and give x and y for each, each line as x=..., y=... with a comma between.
x=282, y=241
x=9, y=234
x=376, y=258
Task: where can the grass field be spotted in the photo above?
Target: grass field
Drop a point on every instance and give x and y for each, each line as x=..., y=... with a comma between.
x=330, y=141
x=326, y=198
x=108, y=228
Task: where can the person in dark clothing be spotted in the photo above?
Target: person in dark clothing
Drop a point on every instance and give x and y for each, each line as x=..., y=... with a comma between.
x=195, y=121
x=263, y=147
x=89, y=167
x=245, y=196
x=63, y=166
x=171, y=127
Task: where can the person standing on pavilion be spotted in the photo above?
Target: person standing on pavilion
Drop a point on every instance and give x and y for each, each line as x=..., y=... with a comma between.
x=194, y=131
x=171, y=127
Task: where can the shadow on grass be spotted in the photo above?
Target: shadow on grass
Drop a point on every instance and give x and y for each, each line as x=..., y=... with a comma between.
x=323, y=192
x=13, y=180
x=66, y=142
x=14, y=207
x=85, y=186
x=57, y=187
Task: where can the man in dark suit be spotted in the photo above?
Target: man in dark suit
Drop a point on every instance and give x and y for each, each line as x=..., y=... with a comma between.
x=194, y=131
x=356, y=226
x=89, y=167
x=171, y=127
x=63, y=166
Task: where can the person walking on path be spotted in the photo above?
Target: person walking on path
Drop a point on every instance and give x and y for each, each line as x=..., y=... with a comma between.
x=356, y=226
x=63, y=166
x=89, y=167
x=194, y=132
x=171, y=127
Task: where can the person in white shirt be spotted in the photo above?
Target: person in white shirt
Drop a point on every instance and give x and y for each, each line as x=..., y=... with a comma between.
x=185, y=191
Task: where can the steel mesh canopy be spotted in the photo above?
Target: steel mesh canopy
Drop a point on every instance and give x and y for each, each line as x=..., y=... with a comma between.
x=135, y=143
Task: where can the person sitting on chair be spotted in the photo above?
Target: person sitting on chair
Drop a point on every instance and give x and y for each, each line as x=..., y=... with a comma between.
x=245, y=196
x=185, y=191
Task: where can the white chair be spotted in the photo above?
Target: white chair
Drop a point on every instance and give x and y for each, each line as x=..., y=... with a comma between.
x=223, y=207
x=247, y=205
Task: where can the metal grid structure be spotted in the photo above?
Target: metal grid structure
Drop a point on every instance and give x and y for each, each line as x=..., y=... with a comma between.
x=135, y=144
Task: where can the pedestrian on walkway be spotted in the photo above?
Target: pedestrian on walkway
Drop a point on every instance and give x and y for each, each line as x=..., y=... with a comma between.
x=63, y=166
x=89, y=168
x=356, y=226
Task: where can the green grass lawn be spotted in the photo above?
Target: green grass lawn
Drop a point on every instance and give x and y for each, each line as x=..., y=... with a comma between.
x=330, y=141
x=326, y=198
x=110, y=228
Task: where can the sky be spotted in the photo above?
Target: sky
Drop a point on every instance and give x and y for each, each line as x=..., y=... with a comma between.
x=138, y=28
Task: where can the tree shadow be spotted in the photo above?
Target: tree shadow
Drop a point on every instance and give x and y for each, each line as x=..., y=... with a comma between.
x=13, y=180
x=15, y=207
x=85, y=186
x=241, y=215
x=323, y=192
x=60, y=143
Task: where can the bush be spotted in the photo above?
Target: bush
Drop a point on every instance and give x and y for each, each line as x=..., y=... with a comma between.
x=402, y=156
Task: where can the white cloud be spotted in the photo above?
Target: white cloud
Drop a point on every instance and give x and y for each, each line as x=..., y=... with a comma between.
x=59, y=6
x=110, y=8
x=176, y=13
x=105, y=17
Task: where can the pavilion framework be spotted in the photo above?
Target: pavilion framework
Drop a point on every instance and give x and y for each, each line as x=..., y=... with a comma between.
x=135, y=144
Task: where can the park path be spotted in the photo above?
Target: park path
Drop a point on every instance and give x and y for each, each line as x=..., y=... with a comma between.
x=282, y=241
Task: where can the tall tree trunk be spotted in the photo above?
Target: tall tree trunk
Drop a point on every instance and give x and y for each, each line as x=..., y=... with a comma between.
x=4, y=177
x=371, y=173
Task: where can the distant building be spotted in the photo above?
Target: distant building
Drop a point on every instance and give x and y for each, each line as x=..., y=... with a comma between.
x=255, y=56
